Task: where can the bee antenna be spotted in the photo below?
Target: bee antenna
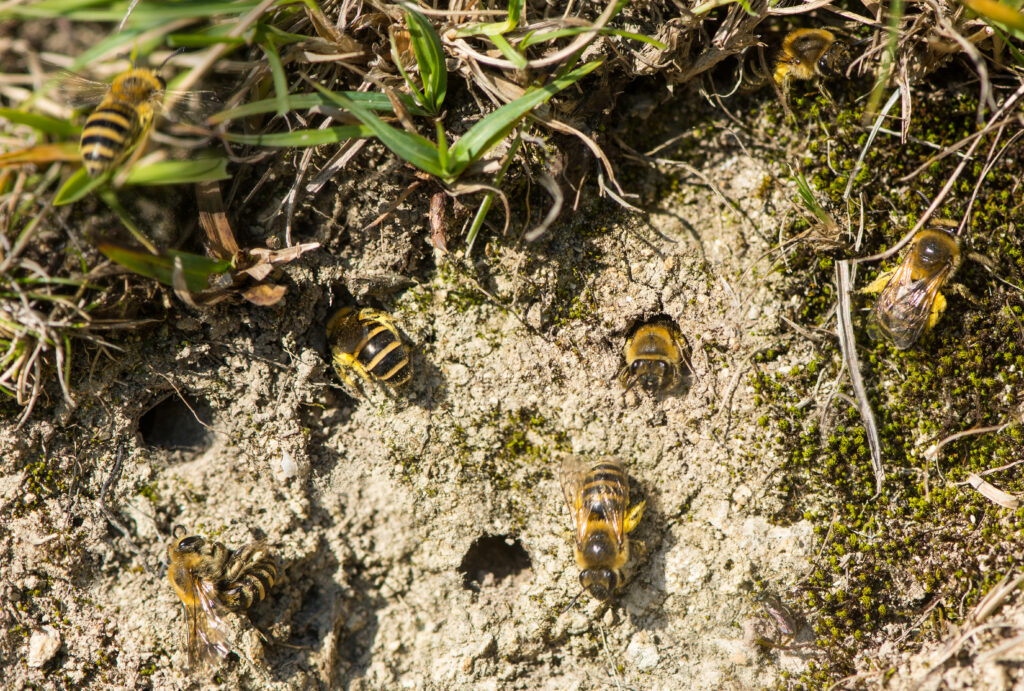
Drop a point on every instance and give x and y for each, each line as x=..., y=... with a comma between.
x=177, y=530
x=571, y=603
x=169, y=57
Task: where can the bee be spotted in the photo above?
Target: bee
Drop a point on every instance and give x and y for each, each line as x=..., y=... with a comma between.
x=598, y=499
x=210, y=579
x=810, y=53
x=909, y=301
x=122, y=119
x=368, y=343
x=654, y=358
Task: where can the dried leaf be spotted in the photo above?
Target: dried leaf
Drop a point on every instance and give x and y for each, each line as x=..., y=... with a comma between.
x=284, y=256
x=264, y=294
x=438, y=222
x=180, y=287
x=220, y=237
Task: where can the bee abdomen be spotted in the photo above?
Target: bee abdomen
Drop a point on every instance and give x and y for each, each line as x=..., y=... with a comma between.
x=603, y=487
x=383, y=355
x=106, y=135
x=251, y=586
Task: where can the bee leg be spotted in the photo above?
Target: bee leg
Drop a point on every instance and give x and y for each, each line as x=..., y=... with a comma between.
x=823, y=90
x=637, y=550
x=879, y=284
x=633, y=516
x=382, y=318
x=938, y=307
x=342, y=362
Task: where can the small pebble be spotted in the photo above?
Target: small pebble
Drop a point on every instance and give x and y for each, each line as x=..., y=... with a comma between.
x=43, y=645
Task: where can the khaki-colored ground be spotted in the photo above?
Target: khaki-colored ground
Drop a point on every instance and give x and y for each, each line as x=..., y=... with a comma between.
x=374, y=506
x=422, y=536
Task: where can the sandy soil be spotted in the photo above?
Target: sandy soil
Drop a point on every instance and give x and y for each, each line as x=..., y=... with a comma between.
x=423, y=537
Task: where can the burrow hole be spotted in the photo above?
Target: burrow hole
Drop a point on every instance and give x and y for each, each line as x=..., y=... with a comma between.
x=178, y=425
x=493, y=558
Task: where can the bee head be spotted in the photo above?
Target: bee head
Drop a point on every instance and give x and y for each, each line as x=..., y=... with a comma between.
x=191, y=544
x=600, y=583
x=651, y=375
x=834, y=60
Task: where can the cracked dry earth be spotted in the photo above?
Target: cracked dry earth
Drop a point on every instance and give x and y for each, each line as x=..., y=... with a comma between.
x=423, y=538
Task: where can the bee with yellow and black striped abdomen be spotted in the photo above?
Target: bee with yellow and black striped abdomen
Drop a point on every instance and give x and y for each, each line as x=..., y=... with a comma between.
x=808, y=54
x=597, y=495
x=654, y=358
x=367, y=342
x=210, y=580
x=122, y=119
x=910, y=300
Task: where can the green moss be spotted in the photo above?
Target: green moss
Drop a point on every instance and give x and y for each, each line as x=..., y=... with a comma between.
x=925, y=529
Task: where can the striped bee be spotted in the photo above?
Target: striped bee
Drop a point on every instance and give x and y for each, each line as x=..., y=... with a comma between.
x=654, y=359
x=909, y=301
x=210, y=580
x=122, y=119
x=598, y=499
x=368, y=343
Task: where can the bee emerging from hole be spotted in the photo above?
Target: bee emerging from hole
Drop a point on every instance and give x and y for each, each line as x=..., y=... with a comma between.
x=368, y=343
x=210, y=580
x=598, y=499
x=654, y=359
x=810, y=54
x=910, y=301
x=122, y=119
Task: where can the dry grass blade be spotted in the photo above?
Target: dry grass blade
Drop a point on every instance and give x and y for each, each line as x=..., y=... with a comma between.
x=848, y=345
x=992, y=493
x=981, y=612
x=220, y=238
x=557, y=200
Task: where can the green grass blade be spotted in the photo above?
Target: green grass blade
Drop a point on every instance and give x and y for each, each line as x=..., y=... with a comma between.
x=999, y=13
x=204, y=168
x=41, y=123
x=810, y=201
x=888, y=59
x=373, y=101
x=1017, y=55
x=111, y=200
x=488, y=200
x=510, y=53
x=276, y=73
x=430, y=58
x=515, y=12
x=197, y=269
x=410, y=147
x=417, y=94
x=77, y=186
x=148, y=14
x=302, y=138
x=485, y=135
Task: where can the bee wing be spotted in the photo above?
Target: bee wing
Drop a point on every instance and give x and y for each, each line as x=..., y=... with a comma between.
x=207, y=632
x=79, y=91
x=191, y=106
x=571, y=474
x=615, y=505
x=905, y=304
